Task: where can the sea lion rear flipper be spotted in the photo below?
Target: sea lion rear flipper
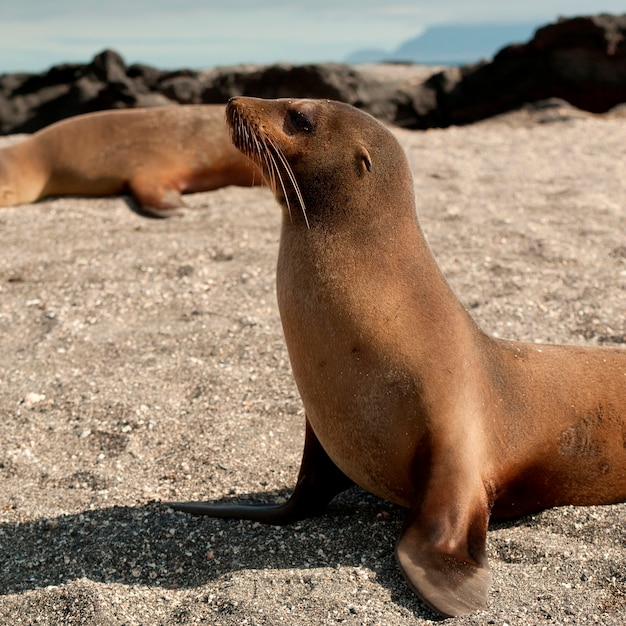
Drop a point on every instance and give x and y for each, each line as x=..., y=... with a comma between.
x=441, y=552
x=319, y=481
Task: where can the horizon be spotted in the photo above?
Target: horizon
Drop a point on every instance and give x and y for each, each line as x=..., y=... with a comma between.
x=197, y=34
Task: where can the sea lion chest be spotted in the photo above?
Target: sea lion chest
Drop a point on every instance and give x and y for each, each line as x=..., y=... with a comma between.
x=359, y=397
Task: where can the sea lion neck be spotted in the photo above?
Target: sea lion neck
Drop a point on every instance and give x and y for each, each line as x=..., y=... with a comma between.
x=369, y=281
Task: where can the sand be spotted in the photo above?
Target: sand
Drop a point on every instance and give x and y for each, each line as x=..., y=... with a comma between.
x=142, y=360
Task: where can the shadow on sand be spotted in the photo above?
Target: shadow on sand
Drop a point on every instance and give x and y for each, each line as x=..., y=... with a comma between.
x=152, y=545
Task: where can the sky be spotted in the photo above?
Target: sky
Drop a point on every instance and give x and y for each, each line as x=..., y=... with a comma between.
x=174, y=34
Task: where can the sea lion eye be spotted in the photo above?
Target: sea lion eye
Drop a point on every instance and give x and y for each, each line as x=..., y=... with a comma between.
x=300, y=121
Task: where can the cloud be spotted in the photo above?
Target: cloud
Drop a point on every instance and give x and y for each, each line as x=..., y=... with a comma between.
x=200, y=33
x=424, y=11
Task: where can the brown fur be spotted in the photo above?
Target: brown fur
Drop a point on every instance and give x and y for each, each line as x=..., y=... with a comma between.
x=404, y=394
x=154, y=154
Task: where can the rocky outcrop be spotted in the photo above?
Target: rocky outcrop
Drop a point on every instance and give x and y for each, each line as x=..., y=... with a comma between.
x=581, y=60
x=29, y=102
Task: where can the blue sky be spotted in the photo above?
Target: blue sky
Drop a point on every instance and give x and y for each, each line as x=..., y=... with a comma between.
x=202, y=33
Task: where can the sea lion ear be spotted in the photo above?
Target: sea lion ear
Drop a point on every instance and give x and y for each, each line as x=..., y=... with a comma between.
x=365, y=159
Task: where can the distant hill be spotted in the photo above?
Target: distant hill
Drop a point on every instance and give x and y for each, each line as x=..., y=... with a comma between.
x=452, y=44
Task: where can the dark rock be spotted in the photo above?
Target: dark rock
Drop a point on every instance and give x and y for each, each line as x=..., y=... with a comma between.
x=581, y=60
x=334, y=81
x=327, y=80
x=185, y=89
x=55, y=76
x=35, y=101
x=109, y=67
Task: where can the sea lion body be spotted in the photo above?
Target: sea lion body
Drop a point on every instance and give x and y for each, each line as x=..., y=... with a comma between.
x=404, y=394
x=155, y=154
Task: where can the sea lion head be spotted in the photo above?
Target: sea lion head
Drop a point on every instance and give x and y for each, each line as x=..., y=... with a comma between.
x=326, y=161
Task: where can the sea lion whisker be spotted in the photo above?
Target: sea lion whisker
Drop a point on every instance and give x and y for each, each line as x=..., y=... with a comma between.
x=292, y=178
x=244, y=137
x=269, y=162
x=248, y=141
x=264, y=152
x=271, y=152
x=251, y=147
x=256, y=148
x=259, y=151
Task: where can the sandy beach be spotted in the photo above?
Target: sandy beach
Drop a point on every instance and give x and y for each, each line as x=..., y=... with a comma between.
x=143, y=361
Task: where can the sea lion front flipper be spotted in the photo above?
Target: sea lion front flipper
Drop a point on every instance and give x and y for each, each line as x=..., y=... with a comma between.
x=319, y=481
x=441, y=552
x=155, y=199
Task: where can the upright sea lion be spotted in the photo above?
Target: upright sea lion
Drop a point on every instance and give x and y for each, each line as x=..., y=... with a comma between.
x=154, y=154
x=404, y=394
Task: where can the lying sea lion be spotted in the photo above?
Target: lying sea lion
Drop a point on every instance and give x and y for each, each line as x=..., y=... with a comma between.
x=155, y=154
x=404, y=394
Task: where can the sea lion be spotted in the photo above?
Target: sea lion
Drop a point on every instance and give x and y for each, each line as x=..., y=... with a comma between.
x=404, y=394
x=155, y=154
